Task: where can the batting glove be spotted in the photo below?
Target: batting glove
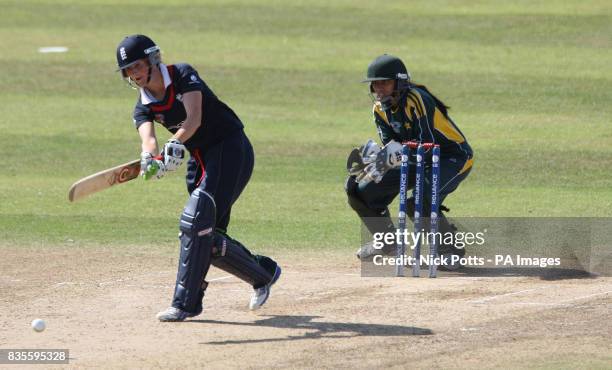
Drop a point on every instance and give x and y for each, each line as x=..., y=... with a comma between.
x=151, y=167
x=173, y=154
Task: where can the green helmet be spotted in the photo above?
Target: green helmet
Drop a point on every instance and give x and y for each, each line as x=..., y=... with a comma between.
x=387, y=67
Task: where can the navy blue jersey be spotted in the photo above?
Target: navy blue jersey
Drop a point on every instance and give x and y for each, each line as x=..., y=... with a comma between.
x=218, y=120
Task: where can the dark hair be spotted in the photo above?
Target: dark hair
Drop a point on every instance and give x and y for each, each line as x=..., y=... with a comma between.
x=439, y=103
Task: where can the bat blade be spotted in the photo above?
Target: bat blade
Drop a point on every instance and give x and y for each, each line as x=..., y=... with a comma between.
x=104, y=180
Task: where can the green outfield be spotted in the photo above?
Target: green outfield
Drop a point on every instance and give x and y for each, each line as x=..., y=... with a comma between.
x=529, y=85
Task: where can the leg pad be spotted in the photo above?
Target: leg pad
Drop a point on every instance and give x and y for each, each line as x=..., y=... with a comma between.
x=232, y=257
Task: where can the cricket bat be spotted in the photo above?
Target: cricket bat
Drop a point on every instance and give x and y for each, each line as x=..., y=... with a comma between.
x=104, y=180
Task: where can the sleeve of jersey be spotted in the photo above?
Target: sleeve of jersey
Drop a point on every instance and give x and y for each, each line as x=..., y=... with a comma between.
x=189, y=80
x=421, y=109
x=142, y=114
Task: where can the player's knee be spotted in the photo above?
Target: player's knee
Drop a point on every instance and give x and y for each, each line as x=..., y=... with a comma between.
x=199, y=214
x=219, y=247
x=351, y=187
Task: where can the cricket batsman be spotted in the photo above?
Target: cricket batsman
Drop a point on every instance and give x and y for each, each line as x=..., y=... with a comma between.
x=403, y=111
x=219, y=167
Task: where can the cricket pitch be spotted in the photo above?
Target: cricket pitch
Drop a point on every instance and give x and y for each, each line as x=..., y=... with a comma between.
x=321, y=314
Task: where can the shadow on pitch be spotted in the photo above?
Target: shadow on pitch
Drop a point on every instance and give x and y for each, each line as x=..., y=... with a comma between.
x=552, y=274
x=318, y=329
x=543, y=273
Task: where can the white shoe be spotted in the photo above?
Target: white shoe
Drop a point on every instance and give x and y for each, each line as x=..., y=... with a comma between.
x=260, y=295
x=175, y=314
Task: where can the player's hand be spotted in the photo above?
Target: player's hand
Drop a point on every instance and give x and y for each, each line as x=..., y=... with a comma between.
x=359, y=158
x=151, y=167
x=173, y=154
x=369, y=150
x=387, y=158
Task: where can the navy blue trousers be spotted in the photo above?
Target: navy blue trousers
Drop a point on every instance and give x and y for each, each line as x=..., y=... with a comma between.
x=222, y=171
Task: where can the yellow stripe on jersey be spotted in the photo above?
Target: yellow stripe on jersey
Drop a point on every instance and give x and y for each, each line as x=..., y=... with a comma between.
x=378, y=109
x=412, y=106
x=409, y=108
x=446, y=127
x=415, y=97
x=468, y=164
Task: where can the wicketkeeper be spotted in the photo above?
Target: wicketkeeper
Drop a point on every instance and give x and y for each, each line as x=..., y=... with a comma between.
x=220, y=165
x=403, y=111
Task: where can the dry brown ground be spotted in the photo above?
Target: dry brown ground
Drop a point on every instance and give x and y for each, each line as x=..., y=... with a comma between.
x=101, y=304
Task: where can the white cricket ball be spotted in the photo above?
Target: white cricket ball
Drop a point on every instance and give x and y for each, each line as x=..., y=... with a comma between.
x=38, y=325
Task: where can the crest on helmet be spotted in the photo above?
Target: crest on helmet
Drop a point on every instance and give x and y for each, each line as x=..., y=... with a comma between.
x=135, y=47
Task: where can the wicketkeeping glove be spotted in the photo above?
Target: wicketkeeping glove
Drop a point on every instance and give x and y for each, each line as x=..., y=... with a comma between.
x=173, y=154
x=369, y=150
x=390, y=156
x=359, y=158
x=151, y=167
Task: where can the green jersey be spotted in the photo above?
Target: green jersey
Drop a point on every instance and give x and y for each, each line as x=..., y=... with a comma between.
x=421, y=117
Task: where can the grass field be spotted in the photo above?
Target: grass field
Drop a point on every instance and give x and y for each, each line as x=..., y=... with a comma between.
x=528, y=83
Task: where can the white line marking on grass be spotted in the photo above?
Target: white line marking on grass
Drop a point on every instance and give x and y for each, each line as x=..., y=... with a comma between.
x=52, y=49
x=316, y=295
x=10, y=279
x=105, y=283
x=486, y=299
x=540, y=304
x=126, y=279
x=221, y=278
x=563, y=303
x=120, y=280
x=147, y=286
x=586, y=296
x=68, y=283
x=326, y=273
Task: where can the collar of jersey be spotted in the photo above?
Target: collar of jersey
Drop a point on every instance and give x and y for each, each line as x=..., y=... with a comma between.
x=145, y=97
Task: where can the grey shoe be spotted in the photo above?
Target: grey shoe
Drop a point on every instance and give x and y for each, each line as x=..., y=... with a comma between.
x=450, y=266
x=260, y=295
x=368, y=251
x=175, y=314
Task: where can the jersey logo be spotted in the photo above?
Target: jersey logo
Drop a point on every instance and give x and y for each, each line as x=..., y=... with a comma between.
x=194, y=80
x=179, y=97
x=396, y=126
x=123, y=53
